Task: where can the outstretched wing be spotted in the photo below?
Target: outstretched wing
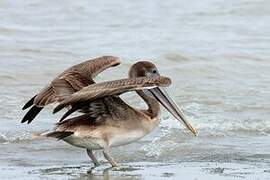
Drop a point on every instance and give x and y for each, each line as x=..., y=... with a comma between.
x=74, y=79
x=67, y=83
x=116, y=87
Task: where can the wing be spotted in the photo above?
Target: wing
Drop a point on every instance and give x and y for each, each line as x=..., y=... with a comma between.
x=74, y=79
x=67, y=83
x=96, y=91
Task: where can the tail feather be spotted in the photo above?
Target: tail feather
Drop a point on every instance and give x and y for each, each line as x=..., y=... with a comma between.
x=59, y=134
x=31, y=114
x=29, y=103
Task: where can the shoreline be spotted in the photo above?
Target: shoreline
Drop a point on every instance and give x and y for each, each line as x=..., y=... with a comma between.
x=142, y=170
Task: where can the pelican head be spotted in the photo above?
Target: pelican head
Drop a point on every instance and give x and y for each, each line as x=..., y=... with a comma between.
x=148, y=69
x=142, y=69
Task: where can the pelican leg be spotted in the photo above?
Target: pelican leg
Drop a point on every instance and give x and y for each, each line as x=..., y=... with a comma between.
x=92, y=157
x=107, y=156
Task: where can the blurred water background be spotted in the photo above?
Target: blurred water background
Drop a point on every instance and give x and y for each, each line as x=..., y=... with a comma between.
x=216, y=52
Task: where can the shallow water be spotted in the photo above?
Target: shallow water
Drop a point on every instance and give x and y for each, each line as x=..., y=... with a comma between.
x=216, y=52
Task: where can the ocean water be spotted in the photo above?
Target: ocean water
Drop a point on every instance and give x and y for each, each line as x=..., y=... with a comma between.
x=216, y=53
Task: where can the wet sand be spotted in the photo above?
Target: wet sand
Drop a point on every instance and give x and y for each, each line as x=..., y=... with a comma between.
x=142, y=170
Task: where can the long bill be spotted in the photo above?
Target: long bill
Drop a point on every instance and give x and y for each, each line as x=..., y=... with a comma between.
x=162, y=96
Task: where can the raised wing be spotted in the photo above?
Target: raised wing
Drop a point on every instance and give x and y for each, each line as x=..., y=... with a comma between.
x=75, y=78
x=67, y=83
x=116, y=87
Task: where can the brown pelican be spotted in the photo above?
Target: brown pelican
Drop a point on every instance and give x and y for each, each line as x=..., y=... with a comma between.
x=107, y=121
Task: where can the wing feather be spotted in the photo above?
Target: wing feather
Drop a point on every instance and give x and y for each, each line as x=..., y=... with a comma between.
x=44, y=97
x=116, y=87
x=71, y=80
